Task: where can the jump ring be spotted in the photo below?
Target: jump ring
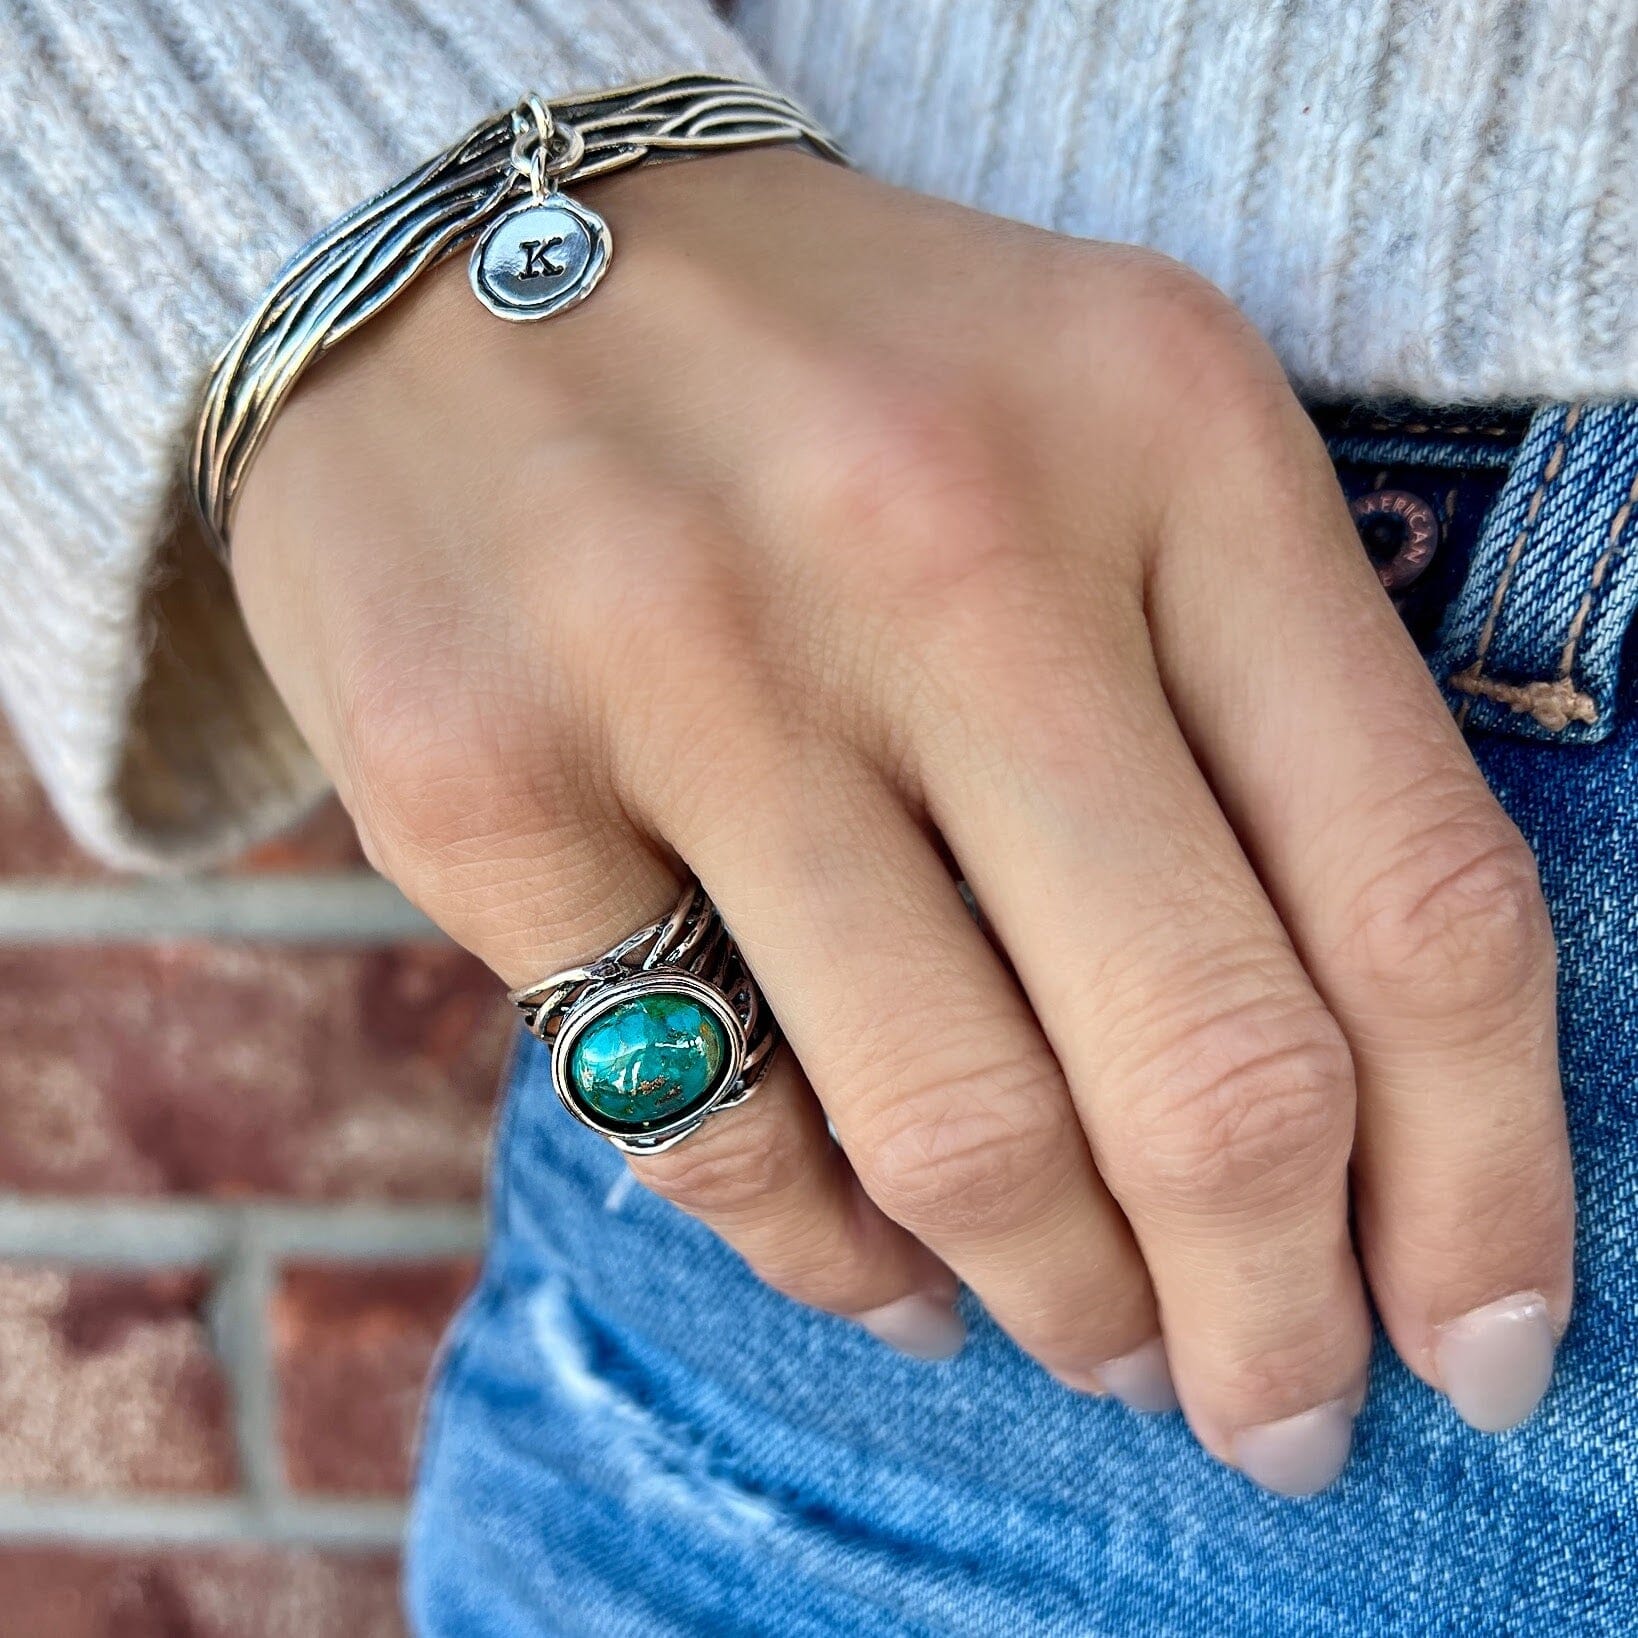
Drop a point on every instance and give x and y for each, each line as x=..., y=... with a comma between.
x=571, y=149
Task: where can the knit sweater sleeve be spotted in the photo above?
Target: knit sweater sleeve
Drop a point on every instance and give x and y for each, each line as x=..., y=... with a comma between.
x=160, y=160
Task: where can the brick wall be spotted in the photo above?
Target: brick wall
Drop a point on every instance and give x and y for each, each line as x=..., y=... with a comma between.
x=242, y=1128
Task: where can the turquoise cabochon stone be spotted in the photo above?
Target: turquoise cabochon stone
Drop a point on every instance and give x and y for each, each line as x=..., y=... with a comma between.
x=653, y=1058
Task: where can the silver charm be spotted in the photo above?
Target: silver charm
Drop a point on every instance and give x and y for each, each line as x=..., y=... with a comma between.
x=540, y=257
x=549, y=252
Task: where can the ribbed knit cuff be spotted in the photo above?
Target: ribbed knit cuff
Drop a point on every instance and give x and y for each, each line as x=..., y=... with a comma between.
x=163, y=157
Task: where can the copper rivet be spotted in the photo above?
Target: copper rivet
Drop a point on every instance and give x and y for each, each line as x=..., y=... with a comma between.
x=1416, y=525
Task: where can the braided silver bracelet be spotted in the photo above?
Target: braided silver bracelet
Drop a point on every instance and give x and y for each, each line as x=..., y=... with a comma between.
x=535, y=250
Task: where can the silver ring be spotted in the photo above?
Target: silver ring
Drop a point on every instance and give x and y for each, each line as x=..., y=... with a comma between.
x=657, y=1035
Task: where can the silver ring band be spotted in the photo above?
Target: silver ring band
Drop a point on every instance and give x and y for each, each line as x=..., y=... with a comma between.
x=657, y=1035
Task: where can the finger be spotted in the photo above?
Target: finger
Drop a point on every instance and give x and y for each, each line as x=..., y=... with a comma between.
x=1416, y=906
x=941, y=1089
x=1214, y=1085
x=532, y=897
x=770, y=1180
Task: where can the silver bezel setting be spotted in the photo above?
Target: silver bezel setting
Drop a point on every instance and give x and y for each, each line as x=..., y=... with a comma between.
x=687, y=952
x=660, y=1134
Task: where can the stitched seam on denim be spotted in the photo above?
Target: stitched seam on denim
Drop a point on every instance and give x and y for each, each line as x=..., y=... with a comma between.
x=1428, y=426
x=1472, y=675
x=1555, y=705
x=1613, y=546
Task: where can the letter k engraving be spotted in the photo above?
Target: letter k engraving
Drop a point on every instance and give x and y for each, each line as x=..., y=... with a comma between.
x=537, y=258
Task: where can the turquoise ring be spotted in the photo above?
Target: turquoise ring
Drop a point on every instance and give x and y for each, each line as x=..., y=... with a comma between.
x=654, y=1037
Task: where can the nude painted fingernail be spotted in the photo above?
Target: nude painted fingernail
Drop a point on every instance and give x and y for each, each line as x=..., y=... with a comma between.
x=1495, y=1363
x=1141, y=1380
x=1299, y=1454
x=923, y=1326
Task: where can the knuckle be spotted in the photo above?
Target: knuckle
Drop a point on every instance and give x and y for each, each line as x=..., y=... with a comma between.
x=429, y=751
x=815, y=1263
x=1461, y=920
x=1198, y=370
x=1205, y=367
x=726, y=1174
x=1207, y=347
x=1236, y=1107
x=908, y=497
x=1276, y=1378
x=1198, y=349
x=970, y=1153
x=1187, y=302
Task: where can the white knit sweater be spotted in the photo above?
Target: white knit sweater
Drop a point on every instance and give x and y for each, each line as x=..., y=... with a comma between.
x=1430, y=198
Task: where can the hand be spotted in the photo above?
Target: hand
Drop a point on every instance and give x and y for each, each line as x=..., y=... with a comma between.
x=843, y=532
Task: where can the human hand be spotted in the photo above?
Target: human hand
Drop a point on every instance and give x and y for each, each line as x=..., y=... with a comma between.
x=844, y=533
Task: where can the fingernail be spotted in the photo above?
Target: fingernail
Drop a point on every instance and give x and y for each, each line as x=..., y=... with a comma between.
x=1141, y=1380
x=923, y=1326
x=1356, y=1398
x=1299, y=1454
x=1495, y=1363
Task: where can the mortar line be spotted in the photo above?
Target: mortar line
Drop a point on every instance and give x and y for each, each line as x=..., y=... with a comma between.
x=166, y=1520
x=142, y=1234
x=348, y=907
x=243, y=1341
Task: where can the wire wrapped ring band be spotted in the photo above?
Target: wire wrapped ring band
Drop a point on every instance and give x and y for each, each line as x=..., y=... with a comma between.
x=659, y=1034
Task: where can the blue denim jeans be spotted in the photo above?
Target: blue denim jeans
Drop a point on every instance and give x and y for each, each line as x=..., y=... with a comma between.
x=632, y=1436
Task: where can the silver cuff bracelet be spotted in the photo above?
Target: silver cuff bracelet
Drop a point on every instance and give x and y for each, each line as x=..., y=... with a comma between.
x=535, y=251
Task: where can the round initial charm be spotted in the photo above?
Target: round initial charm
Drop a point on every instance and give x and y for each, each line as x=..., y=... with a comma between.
x=540, y=257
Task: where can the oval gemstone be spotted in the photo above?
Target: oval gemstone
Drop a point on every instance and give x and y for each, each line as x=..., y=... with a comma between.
x=655, y=1057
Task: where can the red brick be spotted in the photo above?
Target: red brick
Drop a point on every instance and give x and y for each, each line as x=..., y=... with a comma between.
x=325, y=840
x=231, y=1071
x=66, y=1592
x=352, y=1346
x=108, y=1382
x=33, y=843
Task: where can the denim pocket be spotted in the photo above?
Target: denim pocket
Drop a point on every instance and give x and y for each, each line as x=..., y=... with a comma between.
x=1527, y=615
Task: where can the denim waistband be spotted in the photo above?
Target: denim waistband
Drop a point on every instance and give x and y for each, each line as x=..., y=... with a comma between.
x=1525, y=617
